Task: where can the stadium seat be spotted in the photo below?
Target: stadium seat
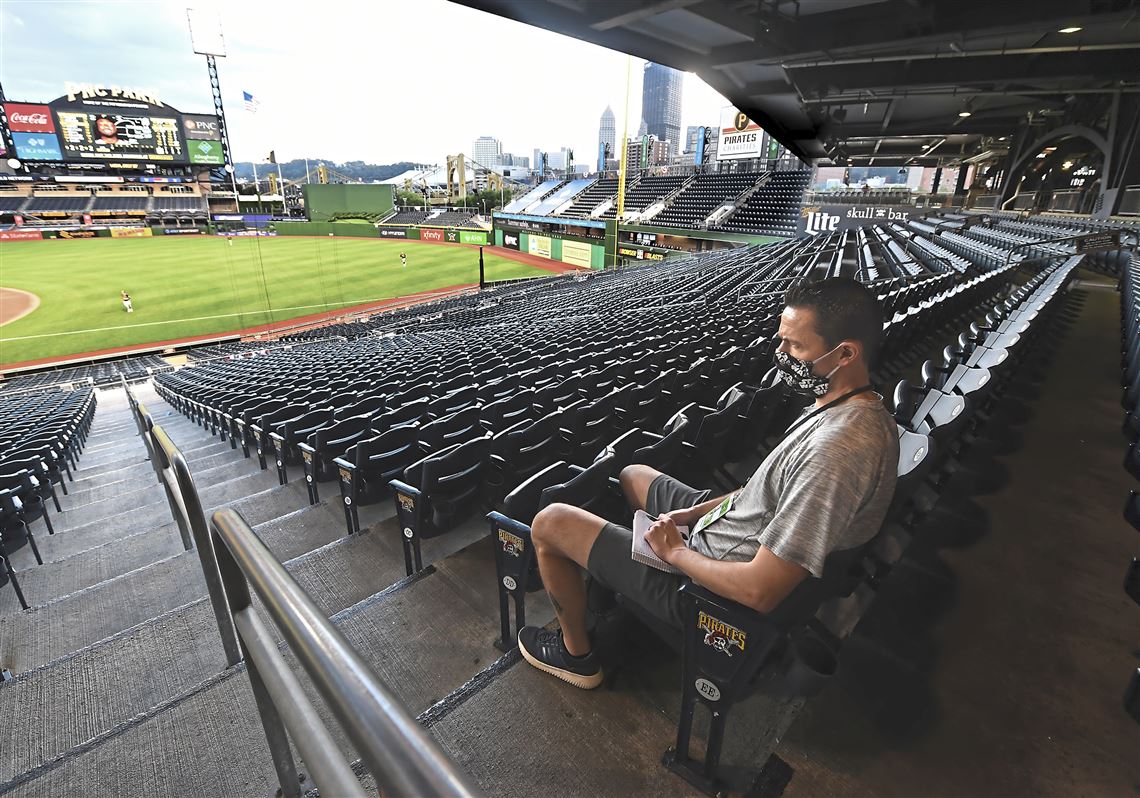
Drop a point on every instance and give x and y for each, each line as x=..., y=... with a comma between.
x=437, y=492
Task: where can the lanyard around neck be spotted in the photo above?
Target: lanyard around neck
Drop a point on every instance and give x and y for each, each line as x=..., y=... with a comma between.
x=801, y=421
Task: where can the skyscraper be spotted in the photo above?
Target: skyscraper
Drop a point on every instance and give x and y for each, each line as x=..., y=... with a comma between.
x=488, y=151
x=607, y=130
x=691, y=133
x=661, y=103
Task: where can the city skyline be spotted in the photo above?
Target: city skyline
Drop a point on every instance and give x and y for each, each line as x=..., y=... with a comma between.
x=306, y=110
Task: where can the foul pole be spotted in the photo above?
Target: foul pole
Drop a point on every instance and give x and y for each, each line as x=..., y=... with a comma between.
x=622, y=165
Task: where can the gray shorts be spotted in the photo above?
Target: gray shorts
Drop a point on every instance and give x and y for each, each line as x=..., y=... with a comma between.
x=612, y=566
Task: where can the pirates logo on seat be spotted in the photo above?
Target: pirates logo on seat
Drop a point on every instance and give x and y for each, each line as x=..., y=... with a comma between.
x=512, y=544
x=720, y=635
x=407, y=502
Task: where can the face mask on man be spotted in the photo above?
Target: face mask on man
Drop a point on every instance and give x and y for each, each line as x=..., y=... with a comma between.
x=800, y=375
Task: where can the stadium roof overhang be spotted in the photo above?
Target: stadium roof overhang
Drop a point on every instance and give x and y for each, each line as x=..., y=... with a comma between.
x=874, y=82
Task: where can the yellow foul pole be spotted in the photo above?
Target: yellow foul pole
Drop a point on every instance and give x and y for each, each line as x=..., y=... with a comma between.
x=621, y=168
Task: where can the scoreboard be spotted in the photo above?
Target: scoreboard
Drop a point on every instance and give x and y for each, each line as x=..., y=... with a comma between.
x=112, y=125
x=120, y=137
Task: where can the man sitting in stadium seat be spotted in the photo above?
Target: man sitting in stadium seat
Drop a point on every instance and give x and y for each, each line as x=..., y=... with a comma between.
x=826, y=486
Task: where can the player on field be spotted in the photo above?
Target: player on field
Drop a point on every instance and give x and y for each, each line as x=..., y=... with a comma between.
x=126, y=301
x=403, y=260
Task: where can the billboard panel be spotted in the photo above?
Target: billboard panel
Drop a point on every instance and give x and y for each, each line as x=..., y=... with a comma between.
x=25, y=118
x=20, y=235
x=206, y=152
x=37, y=146
x=472, y=237
x=539, y=245
x=816, y=219
x=510, y=239
x=393, y=232
x=198, y=127
x=576, y=253
x=431, y=234
x=130, y=232
x=451, y=236
x=740, y=137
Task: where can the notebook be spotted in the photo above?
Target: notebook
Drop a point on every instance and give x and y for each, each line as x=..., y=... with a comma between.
x=642, y=551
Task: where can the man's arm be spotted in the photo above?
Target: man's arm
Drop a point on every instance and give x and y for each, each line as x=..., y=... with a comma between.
x=691, y=515
x=761, y=583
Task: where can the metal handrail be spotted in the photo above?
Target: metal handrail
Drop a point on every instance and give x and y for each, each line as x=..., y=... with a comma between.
x=399, y=752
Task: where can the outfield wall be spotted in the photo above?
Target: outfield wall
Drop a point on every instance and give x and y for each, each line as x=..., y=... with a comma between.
x=571, y=250
x=323, y=200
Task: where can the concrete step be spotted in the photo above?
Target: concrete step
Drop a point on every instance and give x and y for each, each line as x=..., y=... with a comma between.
x=424, y=638
x=169, y=660
x=252, y=487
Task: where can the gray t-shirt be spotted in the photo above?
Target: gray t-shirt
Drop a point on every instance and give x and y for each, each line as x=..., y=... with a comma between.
x=825, y=487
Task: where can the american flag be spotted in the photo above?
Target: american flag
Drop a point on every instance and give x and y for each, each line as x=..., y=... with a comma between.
x=251, y=102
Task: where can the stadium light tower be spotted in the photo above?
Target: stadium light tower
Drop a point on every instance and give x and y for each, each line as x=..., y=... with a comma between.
x=206, y=39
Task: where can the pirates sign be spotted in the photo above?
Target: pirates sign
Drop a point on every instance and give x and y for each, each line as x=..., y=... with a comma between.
x=721, y=636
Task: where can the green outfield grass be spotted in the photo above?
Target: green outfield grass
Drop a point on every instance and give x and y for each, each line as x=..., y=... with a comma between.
x=199, y=285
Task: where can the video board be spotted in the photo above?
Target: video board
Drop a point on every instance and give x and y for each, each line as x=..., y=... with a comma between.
x=112, y=125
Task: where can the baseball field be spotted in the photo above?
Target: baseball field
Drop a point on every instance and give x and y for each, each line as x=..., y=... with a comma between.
x=65, y=295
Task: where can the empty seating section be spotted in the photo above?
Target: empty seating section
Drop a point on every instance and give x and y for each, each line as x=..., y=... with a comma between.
x=12, y=204
x=105, y=373
x=178, y=205
x=531, y=197
x=451, y=219
x=41, y=438
x=592, y=197
x=57, y=204
x=119, y=202
x=647, y=191
x=546, y=394
x=433, y=425
x=408, y=218
x=703, y=195
x=560, y=197
x=774, y=209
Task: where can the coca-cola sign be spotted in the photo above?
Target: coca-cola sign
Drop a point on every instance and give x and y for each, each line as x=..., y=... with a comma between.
x=29, y=118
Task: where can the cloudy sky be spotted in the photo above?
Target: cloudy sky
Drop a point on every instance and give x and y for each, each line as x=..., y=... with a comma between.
x=376, y=81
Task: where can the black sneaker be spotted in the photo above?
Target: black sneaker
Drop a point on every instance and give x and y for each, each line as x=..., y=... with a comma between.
x=546, y=651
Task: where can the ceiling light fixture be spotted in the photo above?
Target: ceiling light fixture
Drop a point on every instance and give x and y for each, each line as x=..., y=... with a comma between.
x=964, y=113
x=1071, y=29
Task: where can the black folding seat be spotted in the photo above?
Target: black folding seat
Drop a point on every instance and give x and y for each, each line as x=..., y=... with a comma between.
x=559, y=393
x=406, y=413
x=368, y=466
x=438, y=492
x=447, y=431
x=521, y=450
x=326, y=444
x=288, y=434
x=498, y=389
x=710, y=431
x=586, y=431
x=14, y=530
x=246, y=417
x=264, y=425
x=368, y=406
x=515, y=566
x=28, y=499
x=641, y=447
x=502, y=413
x=453, y=402
x=39, y=469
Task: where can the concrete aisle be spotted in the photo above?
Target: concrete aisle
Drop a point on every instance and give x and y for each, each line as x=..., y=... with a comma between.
x=995, y=660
